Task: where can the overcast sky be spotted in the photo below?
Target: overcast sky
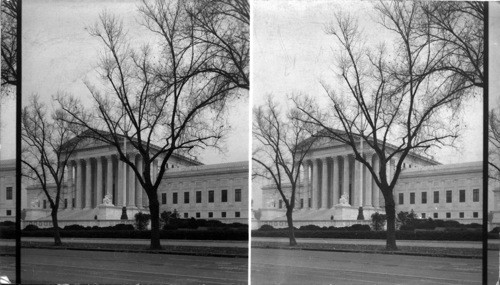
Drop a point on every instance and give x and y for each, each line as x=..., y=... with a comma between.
x=58, y=54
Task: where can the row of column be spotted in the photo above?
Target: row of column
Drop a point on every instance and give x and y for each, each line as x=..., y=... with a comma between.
x=90, y=179
x=327, y=179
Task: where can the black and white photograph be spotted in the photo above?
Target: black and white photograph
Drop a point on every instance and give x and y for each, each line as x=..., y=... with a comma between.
x=249, y=142
x=367, y=126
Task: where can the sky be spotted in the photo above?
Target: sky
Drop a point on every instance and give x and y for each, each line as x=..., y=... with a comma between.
x=291, y=54
x=58, y=54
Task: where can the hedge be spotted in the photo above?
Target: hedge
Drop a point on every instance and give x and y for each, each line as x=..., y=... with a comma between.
x=400, y=235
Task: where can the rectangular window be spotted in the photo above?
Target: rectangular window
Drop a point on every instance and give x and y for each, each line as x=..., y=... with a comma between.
x=301, y=202
x=423, y=215
x=237, y=214
x=475, y=195
x=164, y=198
x=461, y=215
x=223, y=214
x=448, y=196
x=462, y=196
x=9, y=212
x=174, y=198
x=475, y=215
x=9, y=193
x=281, y=204
x=223, y=197
x=412, y=198
x=401, y=197
x=198, y=196
x=211, y=196
x=436, y=196
x=186, y=215
x=424, y=197
x=435, y=215
x=73, y=202
x=198, y=215
x=237, y=195
x=448, y=215
x=186, y=197
x=65, y=203
x=210, y=214
x=309, y=202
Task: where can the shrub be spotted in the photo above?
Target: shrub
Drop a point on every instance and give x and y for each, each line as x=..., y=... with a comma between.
x=123, y=227
x=309, y=228
x=31, y=228
x=141, y=221
x=74, y=227
x=8, y=224
x=266, y=228
x=378, y=221
x=358, y=227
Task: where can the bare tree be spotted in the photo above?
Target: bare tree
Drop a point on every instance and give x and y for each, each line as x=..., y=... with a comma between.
x=161, y=100
x=46, y=149
x=457, y=27
x=9, y=45
x=222, y=26
x=391, y=101
x=494, y=144
x=280, y=151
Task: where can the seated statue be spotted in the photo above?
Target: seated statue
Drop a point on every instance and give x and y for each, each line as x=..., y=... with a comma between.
x=35, y=203
x=108, y=200
x=344, y=199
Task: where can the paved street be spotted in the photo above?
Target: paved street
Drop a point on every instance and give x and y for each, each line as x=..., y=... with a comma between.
x=493, y=266
x=271, y=266
x=41, y=266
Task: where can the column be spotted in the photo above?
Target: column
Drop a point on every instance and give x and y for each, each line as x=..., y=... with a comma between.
x=324, y=184
x=70, y=184
x=375, y=189
x=138, y=186
x=131, y=184
x=79, y=184
x=335, y=181
x=109, y=175
x=315, y=175
x=120, y=192
x=88, y=184
x=99, y=180
x=358, y=187
x=345, y=180
x=306, y=184
x=368, y=183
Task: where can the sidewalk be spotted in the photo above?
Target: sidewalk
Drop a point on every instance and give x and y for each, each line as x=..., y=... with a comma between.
x=173, y=242
x=419, y=243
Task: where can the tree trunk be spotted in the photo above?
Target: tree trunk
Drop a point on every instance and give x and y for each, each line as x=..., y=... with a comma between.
x=390, y=211
x=291, y=232
x=154, y=210
x=55, y=226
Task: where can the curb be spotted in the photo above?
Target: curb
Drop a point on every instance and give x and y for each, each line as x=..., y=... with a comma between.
x=376, y=252
x=140, y=251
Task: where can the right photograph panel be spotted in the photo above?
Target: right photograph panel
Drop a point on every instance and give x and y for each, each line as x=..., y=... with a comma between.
x=367, y=142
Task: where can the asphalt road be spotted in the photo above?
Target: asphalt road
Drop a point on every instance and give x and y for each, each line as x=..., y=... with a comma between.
x=42, y=266
x=493, y=273
x=271, y=266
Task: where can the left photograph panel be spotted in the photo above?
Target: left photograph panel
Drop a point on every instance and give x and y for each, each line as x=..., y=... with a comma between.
x=135, y=141
x=10, y=79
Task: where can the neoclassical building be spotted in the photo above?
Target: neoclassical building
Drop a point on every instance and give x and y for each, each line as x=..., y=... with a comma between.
x=98, y=185
x=7, y=190
x=334, y=185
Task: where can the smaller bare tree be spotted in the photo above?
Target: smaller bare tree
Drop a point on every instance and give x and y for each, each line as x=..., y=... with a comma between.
x=46, y=149
x=494, y=144
x=281, y=147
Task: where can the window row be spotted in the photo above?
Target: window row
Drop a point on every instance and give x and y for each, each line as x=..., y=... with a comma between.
x=461, y=215
x=198, y=197
x=211, y=215
x=449, y=197
x=281, y=204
